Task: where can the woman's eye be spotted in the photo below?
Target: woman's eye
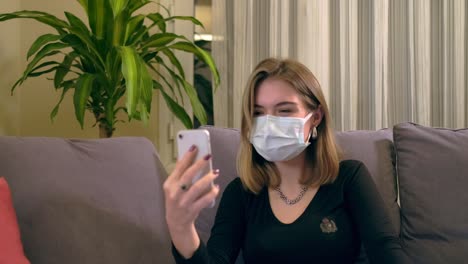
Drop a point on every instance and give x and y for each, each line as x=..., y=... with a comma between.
x=285, y=111
x=257, y=113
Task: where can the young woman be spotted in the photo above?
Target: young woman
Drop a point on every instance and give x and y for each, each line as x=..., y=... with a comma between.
x=295, y=200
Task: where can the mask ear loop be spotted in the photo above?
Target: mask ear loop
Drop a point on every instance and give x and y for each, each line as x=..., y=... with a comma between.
x=311, y=135
x=307, y=117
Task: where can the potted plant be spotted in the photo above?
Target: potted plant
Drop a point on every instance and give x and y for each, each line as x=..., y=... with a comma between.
x=111, y=58
x=202, y=83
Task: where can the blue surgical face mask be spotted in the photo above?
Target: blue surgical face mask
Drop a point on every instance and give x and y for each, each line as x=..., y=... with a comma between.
x=278, y=138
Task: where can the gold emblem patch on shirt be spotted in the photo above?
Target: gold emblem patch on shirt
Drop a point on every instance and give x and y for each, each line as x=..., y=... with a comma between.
x=328, y=225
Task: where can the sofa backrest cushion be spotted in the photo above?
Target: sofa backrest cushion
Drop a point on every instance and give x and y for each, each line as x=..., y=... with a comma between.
x=87, y=201
x=433, y=176
x=375, y=149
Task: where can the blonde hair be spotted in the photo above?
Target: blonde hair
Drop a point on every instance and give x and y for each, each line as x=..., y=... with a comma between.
x=256, y=172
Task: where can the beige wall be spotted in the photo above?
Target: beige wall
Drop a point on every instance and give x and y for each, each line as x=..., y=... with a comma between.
x=27, y=112
x=9, y=69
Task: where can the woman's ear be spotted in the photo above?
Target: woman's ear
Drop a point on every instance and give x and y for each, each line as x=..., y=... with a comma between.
x=317, y=116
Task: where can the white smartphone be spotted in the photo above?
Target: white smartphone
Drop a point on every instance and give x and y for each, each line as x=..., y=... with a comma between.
x=201, y=139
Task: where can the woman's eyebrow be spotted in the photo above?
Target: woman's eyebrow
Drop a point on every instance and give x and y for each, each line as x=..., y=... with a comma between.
x=286, y=103
x=278, y=104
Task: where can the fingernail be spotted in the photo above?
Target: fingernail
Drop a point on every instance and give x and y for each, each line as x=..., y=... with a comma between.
x=207, y=157
x=192, y=148
x=216, y=172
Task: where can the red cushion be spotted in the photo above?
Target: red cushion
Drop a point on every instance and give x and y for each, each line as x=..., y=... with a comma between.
x=11, y=248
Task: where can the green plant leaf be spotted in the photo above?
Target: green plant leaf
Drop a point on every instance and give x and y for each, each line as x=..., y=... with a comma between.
x=201, y=54
x=83, y=88
x=78, y=66
x=48, y=50
x=64, y=69
x=18, y=82
x=146, y=84
x=134, y=5
x=42, y=17
x=159, y=40
x=118, y=6
x=68, y=83
x=77, y=23
x=143, y=114
x=168, y=84
x=149, y=56
x=113, y=70
x=163, y=7
x=137, y=36
x=41, y=41
x=43, y=65
x=173, y=75
x=79, y=29
x=157, y=85
x=120, y=28
x=188, y=18
x=36, y=73
x=173, y=59
x=89, y=62
x=133, y=24
x=101, y=21
x=175, y=108
x=130, y=72
x=105, y=84
x=158, y=20
x=66, y=86
x=197, y=106
x=100, y=18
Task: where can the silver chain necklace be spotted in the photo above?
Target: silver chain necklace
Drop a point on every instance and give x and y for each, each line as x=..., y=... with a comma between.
x=295, y=200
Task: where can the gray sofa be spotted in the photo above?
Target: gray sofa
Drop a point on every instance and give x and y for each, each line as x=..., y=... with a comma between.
x=100, y=201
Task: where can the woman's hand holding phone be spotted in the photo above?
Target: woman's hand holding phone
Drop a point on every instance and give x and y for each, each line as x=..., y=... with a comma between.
x=185, y=198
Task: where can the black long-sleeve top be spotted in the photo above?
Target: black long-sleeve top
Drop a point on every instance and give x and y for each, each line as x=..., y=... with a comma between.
x=330, y=230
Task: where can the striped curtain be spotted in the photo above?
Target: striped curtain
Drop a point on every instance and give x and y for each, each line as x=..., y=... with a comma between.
x=380, y=62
